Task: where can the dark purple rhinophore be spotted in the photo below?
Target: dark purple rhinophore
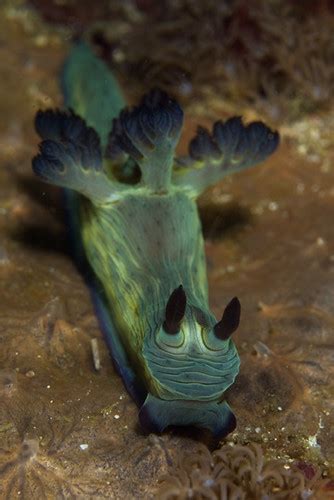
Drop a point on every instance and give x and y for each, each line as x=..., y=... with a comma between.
x=175, y=310
x=230, y=320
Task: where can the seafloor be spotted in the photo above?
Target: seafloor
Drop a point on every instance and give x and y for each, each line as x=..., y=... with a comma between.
x=69, y=431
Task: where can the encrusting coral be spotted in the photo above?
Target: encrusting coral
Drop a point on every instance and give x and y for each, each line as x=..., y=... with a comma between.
x=237, y=473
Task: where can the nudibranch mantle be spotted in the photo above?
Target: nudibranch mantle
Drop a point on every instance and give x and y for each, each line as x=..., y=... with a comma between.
x=142, y=237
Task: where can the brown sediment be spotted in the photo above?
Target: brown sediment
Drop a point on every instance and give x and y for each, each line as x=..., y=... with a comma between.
x=67, y=429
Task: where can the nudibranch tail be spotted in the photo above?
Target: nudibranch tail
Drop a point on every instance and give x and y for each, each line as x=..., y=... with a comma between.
x=91, y=90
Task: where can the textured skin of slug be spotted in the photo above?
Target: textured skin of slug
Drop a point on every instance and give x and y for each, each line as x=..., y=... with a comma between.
x=143, y=240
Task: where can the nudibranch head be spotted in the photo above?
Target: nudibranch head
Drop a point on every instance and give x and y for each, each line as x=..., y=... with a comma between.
x=192, y=361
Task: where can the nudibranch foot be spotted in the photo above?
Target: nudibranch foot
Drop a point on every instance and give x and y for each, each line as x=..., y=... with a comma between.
x=157, y=414
x=121, y=361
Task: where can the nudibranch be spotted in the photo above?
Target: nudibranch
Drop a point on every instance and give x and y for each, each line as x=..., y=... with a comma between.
x=134, y=216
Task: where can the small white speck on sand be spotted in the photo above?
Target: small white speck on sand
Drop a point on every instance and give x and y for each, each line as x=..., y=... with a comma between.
x=273, y=206
x=96, y=354
x=312, y=441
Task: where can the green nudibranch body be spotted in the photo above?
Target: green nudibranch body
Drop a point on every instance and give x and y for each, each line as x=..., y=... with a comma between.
x=143, y=239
